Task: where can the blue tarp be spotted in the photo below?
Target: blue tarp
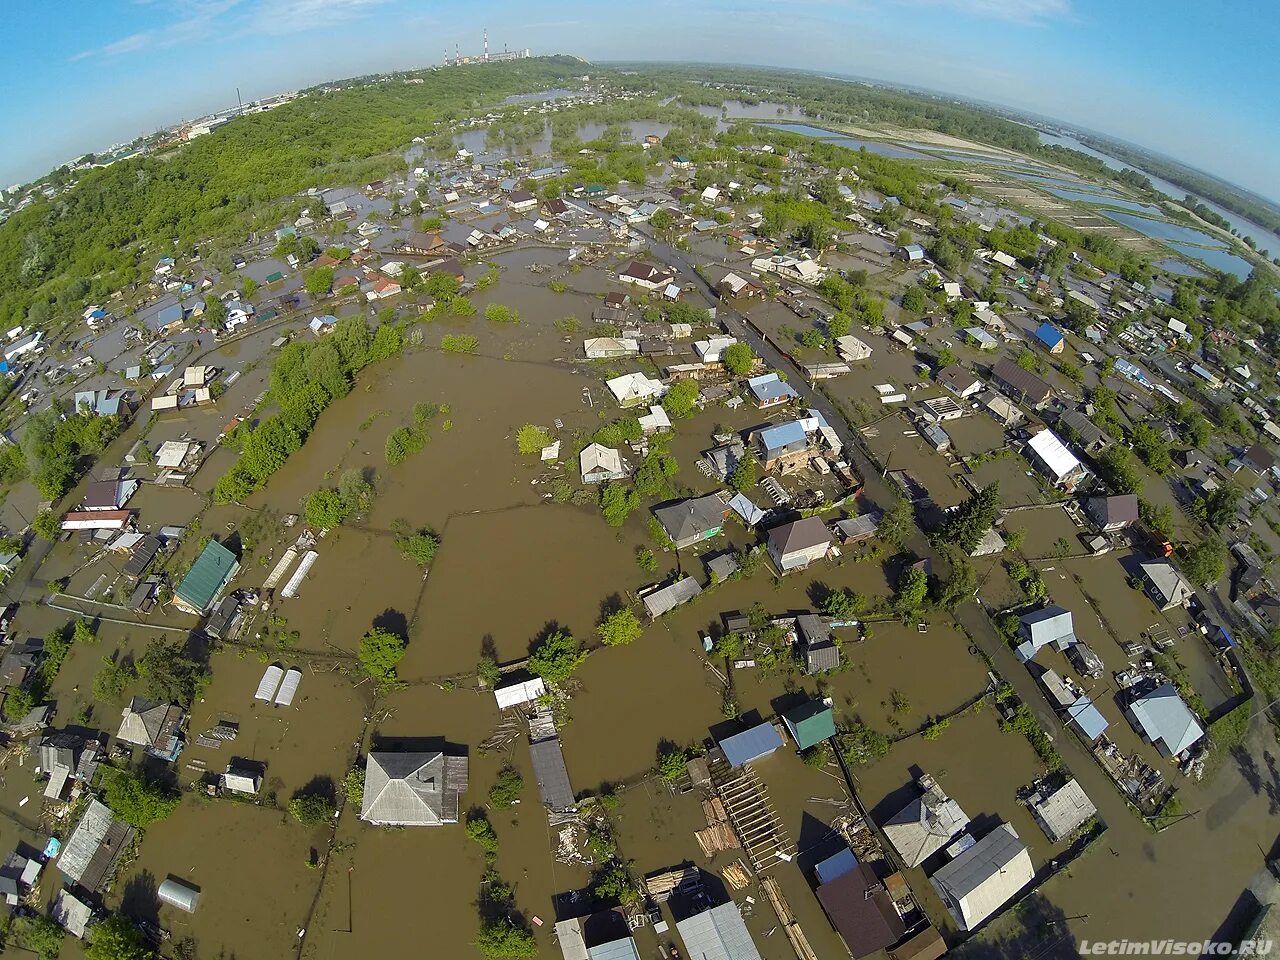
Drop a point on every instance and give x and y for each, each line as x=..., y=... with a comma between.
x=760, y=741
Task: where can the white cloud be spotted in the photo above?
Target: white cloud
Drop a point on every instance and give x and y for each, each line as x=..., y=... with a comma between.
x=199, y=20
x=1015, y=11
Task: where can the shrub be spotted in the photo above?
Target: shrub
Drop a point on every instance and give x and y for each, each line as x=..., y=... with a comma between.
x=620, y=628
x=312, y=808
x=530, y=439
x=506, y=789
x=380, y=651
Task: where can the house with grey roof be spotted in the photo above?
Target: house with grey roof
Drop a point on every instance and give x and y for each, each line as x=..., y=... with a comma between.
x=553, y=779
x=665, y=599
x=691, y=521
x=926, y=824
x=1083, y=433
x=1164, y=720
x=1063, y=811
x=1166, y=587
x=981, y=880
x=718, y=933
x=413, y=789
x=95, y=846
x=820, y=650
x=154, y=726
x=1042, y=628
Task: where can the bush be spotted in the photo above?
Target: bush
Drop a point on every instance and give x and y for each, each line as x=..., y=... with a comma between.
x=325, y=509
x=353, y=787
x=116, y=938
x=312, y=808
x=862, y=745
x=113, y=679
x=419, y=547
x=617, y=502
x=530, y=439
x=459, y=343
x=506, y=789
x=499, y=939
x=681, y=400
x=39, y=934
x=671, y=762
x=501, y=313
x=487, y=671
x=46, y=525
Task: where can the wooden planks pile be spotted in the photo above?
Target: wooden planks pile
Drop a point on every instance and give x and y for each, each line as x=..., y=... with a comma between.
x=718, y=835
x=683, y=879
x=736, y=875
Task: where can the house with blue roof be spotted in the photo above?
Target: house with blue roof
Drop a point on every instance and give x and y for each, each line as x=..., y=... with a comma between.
x=1050, y=337
x=752, y=744
x=770, y=390
x=1087, y=720
x=781, y=444
x=170, y=316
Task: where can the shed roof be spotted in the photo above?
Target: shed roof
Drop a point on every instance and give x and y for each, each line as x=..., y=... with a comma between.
x=691, y=518
x=671, y=596
x=751, y=744
x=769, y=387
x=552, y=776
x=925, y=825
x=810, y=723
x=799, y=535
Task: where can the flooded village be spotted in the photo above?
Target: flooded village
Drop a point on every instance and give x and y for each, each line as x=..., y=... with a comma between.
x=640, y=524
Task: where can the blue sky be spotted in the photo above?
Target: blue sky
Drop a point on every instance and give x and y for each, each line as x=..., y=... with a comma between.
x=1195, y=80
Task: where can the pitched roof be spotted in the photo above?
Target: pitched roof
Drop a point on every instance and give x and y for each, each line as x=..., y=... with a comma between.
x=983, y=878
x=1059, y=461
x=671, y=596
x=1168, y=582
x=861, y=911
x=1064, y=811
x=691, y=518
x=413, y=789
x=718, y=934
x=1122, y=508
x=1021, y=381
x=597, y=458
x=925, y=825
x=1166, y=720
x=1049, y=335
x=810, y=723
x=769, y=387
x=207, y=576
x=799, y=535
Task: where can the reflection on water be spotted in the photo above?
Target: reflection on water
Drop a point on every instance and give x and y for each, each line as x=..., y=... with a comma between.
x=844, y=140
x=1217, y=258
x=1110, y=199
x=1161, y=229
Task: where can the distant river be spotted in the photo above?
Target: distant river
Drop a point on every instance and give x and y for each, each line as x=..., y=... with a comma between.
x=1265, y=239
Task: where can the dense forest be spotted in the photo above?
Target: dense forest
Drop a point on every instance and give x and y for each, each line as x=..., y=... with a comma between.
x=106, y=231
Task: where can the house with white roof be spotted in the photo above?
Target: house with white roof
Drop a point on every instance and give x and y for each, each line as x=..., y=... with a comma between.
x=1055, y=461
x=633, y=388
x=1164, y=720
x=977, y=883
x=599, y=464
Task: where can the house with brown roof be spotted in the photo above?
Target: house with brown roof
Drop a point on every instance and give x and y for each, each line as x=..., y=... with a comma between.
x=1022, y=385
x=795, y=545
x=861, y=910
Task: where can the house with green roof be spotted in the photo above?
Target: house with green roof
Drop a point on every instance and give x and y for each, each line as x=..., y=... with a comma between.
x=206, y=579
x=810, y=723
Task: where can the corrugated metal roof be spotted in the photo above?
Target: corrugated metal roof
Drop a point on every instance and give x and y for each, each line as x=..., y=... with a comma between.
x=212, y=569
x=553, y=777
x=810, y=723
x=718, y=934
x=985, y=877
x=759, y=741
x=1053, y=453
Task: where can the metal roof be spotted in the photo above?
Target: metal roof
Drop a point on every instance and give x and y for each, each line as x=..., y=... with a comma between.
x=671, y=596
x=553, y=778
x=1166, y=720
x=207, y=576
x=924, y=826
x=412, y=789
x=1053, y=454
x=759, y=741
x=1064, y=811
x=782, y=435
x=836, y=865
x=769, y=386
x=982, y=879
x=717, y=934
x=810, y=723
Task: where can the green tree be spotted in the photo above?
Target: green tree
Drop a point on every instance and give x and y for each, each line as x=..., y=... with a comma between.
x=671, y=762
x=662, y=221
x=18, y=703
x=488, y=671
x=248, y=286
x=746, y=473
x=1118, y=471
x=946, y=357
x=617, y=502
x=913, y=587
x=843, y=604
x=215, y=313
x=530, y=439
x=355, y=491
x=915, y=299
x=1204, y=563
x=310, y=809
x=39, y=934
x=46, y=525
x=1151, y=448
x=116, y=938
x=138, y=801
x=420, y=547
x=480, y=830
x=556, y=657
x=319, y=281
x=737, y=358
x=113, y=679
x=353, y=787
x=380, y=651
x=500, y=939
x=839, y=325
x=897, y=523
x=970, y=521
x=325, y=509
x=501, y=313
x=172, y=675
x=620, y=628
x=681, y=400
